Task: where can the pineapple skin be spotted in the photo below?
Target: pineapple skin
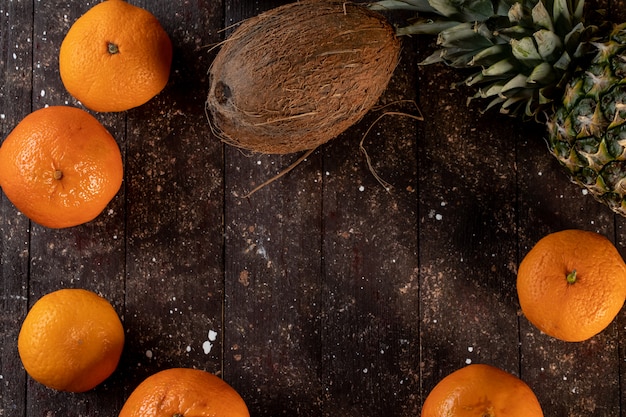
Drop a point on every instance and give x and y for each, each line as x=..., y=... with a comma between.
x=587, y=131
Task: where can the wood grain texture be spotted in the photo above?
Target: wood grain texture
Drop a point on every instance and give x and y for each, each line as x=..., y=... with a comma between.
x=323, y=293
x=16, y=67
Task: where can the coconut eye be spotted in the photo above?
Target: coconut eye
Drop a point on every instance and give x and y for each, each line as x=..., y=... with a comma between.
x=222, y=92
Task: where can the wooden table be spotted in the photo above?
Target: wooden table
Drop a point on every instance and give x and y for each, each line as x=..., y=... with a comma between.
x=323, y=294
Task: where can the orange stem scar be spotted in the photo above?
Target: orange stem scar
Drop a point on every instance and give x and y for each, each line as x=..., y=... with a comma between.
x=571, y=277
x=112, y=48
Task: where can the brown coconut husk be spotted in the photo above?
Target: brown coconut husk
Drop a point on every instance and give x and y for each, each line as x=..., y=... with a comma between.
x=299, y=75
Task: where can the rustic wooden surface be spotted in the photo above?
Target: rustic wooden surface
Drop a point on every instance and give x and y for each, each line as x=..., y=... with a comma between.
x=327, y=295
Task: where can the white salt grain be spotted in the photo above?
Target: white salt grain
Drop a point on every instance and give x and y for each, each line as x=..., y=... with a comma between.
x=212, y=335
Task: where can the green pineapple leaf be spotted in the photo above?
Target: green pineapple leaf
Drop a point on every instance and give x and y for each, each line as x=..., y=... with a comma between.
x=525, y=50
x=549, y=45
x=426, y=28
x=541, y=16
x=414, y=5
x=464, y=10
x=502, y=67
x=490, y=55
x=542, y=74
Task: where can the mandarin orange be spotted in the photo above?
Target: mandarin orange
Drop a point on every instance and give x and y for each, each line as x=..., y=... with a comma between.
x=480, y=390
x=71, y=340
x=60, y=167
x=572, y=284
x=115, y=57
x=184, y=392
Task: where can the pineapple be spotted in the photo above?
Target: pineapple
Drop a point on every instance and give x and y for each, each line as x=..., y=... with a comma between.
x=538, y=58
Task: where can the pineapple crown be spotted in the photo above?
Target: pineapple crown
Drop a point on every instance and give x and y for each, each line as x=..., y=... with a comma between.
x=525, y=50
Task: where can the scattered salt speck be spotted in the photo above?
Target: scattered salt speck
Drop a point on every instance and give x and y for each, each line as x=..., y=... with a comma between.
x=443, y=203
x=149, y=354
x=3, y=116
x=188, y=349
x=258, y=162
x=14, y=55
x=361, y=188
x=564, y=378
x=327, y=173
x=470, y=348
x=434, y=320
x=208, y=344
x=585, y=191
x=468, y=361
x=365, y=370
x=42, y=93
x=540, y=173
x=438, y=216
x=212, y=335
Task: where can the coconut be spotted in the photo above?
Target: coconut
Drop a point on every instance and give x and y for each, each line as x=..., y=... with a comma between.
x=294, y=77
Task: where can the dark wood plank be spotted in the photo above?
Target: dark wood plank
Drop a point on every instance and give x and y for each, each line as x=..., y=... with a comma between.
x=174, y=202
x=16, y=46
x=272, y=307
x=467, y=235
x=273, y=271
x=370, y=322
